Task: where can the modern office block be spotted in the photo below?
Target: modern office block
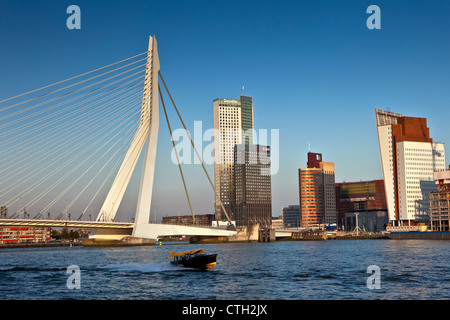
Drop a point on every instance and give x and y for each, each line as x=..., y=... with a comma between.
x=233, y=123
x=317, y=192
x=253, y=188
x=409, y=158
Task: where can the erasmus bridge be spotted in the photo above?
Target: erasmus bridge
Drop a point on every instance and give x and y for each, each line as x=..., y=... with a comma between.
x=78, y=141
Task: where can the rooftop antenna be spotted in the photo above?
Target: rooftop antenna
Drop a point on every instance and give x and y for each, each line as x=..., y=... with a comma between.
x=309, y=147
x=242, y=89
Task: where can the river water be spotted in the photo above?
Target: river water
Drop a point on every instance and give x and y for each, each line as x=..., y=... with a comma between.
x=298, y=270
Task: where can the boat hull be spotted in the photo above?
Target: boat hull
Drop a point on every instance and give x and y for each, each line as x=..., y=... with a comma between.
x=206, y=261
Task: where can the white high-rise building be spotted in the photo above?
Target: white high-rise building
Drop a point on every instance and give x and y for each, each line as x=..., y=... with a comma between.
x=417, y=162
x=384, y=120
x=409, y=158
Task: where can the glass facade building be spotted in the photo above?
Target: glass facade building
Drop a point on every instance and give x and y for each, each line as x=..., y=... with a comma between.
x=233, y=124
x=253, y=187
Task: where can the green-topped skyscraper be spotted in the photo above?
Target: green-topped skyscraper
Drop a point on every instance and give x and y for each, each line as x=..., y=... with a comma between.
x=233, y=122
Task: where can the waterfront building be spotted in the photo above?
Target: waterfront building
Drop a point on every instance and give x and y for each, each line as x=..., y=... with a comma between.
x=199, y=220
x=253, y=187
x=24, y=234
x=440, y=202
x=366, y=198
x=291, y=216
x=317, y=192
x=233, y=124
x=277, y=222
x=409, y=158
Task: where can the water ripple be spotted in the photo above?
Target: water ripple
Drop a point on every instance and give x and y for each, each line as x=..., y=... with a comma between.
x=282, y=270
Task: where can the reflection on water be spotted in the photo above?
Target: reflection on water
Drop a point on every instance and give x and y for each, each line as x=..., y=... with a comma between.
x=409, y=269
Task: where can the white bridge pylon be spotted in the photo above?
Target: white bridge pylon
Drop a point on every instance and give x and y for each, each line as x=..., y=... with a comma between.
x=146, y=132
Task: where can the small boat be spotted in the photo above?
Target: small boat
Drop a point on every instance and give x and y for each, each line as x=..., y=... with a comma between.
x=194, y=259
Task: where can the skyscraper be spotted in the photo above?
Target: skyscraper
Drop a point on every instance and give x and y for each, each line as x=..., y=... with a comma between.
x=317, y=192
x=253, y=185
x=409, y=158
x=233, y=122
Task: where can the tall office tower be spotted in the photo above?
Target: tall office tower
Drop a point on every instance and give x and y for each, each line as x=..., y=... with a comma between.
x=409, y=158
x=233, y=124
x=253, y=185
x=317, y=192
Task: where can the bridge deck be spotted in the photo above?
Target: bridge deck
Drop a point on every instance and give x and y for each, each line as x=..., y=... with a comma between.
x=150, y=230
x=64, y=223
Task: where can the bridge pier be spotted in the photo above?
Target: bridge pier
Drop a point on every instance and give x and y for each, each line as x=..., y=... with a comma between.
x=115, y=237
x=266, y=235
x=110, y=234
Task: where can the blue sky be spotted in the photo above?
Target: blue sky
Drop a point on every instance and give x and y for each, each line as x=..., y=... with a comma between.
x=314, y=69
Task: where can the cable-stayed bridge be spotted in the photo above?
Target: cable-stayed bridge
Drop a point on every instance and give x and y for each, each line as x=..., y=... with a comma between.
x=68, y=145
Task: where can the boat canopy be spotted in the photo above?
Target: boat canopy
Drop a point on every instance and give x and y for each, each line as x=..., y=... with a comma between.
x=174, y=254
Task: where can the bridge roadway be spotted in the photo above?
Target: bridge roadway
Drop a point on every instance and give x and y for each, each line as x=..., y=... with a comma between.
x=118, y=230
x=65, y=223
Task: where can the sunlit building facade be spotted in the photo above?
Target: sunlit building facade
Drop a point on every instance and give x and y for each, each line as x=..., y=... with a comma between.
x=233, y=124
x=409, y=158
x=317, y=192
x=253, y=188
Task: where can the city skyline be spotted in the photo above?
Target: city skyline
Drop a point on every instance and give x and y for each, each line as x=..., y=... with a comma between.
x=314, y=70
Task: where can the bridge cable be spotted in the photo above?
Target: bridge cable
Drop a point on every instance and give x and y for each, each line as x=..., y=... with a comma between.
x=41, y=148
x=53, y=84
x=66, y=133
x=80, y=176
x=47, y=137
x=21, y=119
x=72, y=159
x=67, y=94
x=29, y=143
x=176, y=153
x=127, y=134
x=113, y=169
x=41, y=181
x=195, y=149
